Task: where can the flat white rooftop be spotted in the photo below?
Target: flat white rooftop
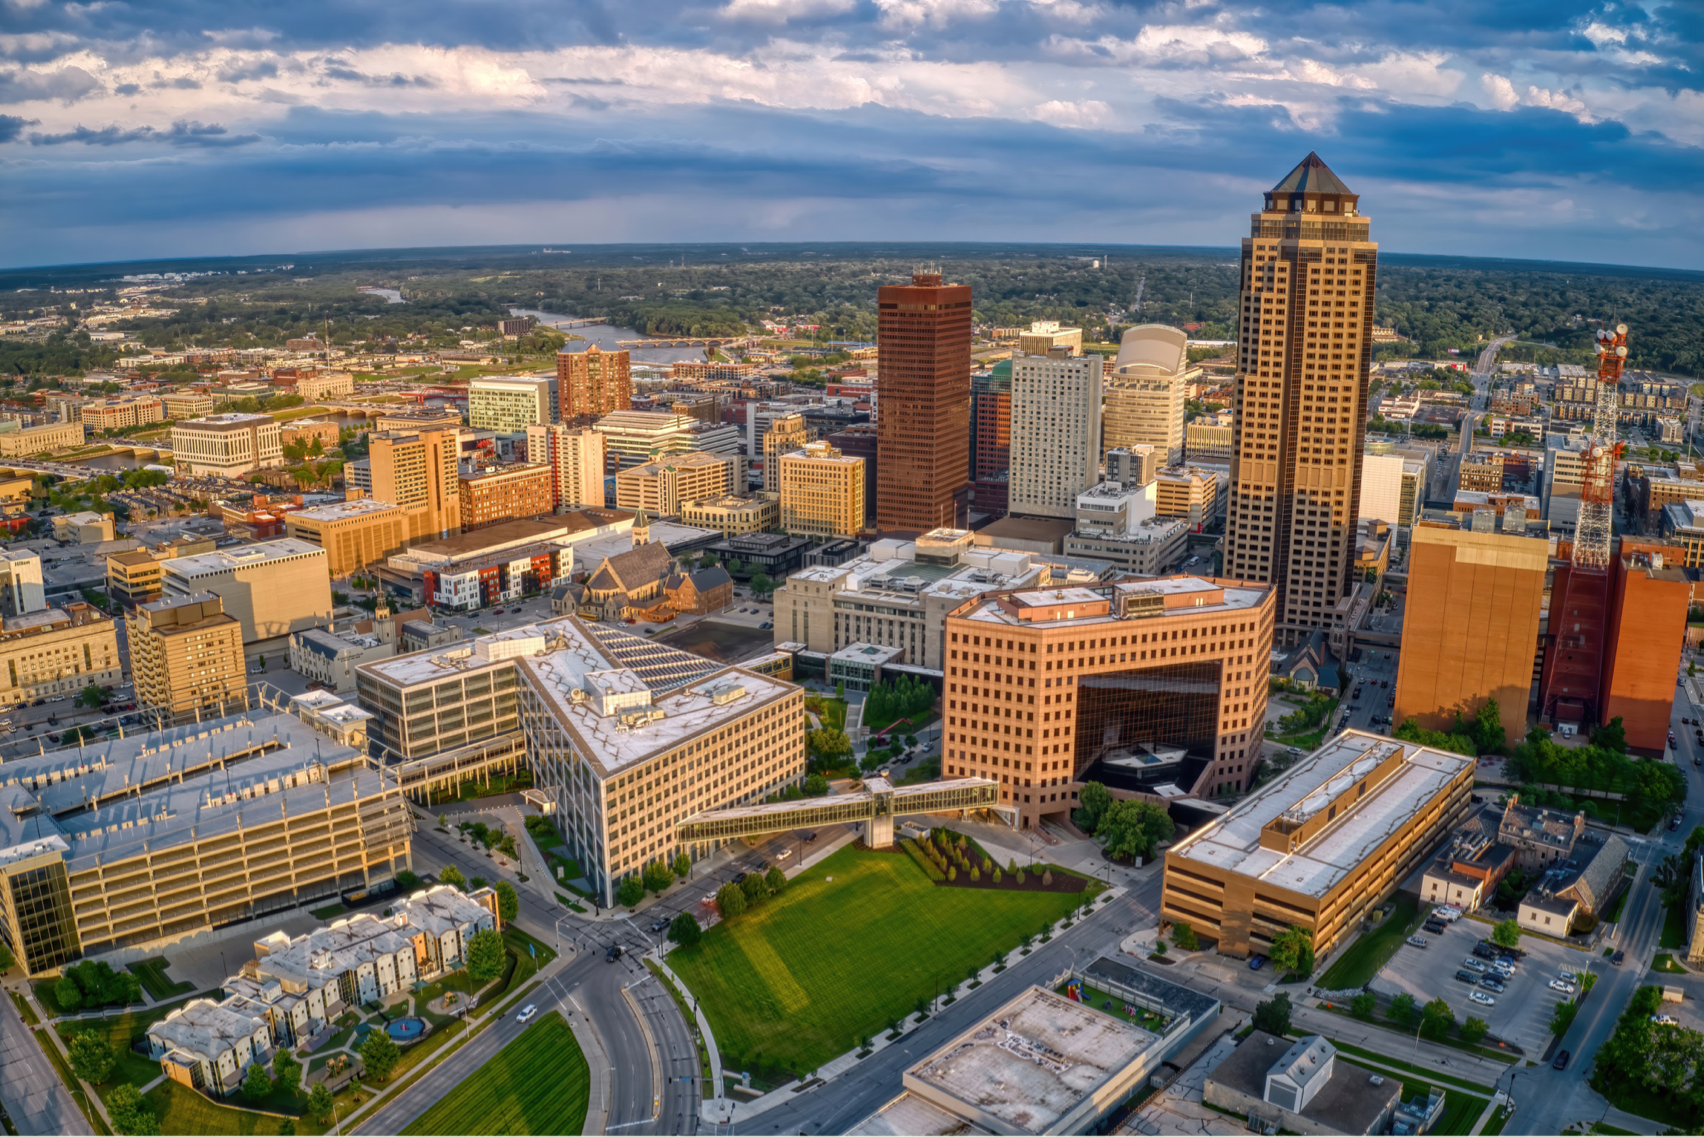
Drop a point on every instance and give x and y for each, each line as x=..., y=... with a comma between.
x=1232, y=843
x=245, y=556
x=340, y=510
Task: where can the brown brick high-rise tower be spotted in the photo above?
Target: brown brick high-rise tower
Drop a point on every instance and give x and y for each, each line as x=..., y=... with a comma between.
x=923, y=404
x=1305, y=346
x=593, y=383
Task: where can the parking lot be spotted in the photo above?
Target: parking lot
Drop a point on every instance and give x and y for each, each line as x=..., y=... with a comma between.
x=1522, y=1012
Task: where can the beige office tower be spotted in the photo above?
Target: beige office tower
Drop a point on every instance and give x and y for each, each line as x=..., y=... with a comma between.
x=416, y=469
x=1146, y=389
x=822, y=491
x=1308, y=274
x=785, y=435
x=1056, y=430
x=186, y=657
x=575, y=455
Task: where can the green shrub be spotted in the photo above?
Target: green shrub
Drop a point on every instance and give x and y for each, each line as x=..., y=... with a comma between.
x=924, y=861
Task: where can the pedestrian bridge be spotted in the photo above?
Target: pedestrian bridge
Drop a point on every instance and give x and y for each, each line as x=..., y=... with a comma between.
x=876, y=805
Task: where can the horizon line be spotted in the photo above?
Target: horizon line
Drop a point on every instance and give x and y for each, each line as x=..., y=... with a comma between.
x=536, y=248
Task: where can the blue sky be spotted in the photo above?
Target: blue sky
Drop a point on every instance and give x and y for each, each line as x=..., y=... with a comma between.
x=1548, y=129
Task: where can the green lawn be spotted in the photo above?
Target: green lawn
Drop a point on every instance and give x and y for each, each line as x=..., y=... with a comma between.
x=1665, y=963
x=1495, y=1125
x=539, y=1083
x=1674, y=927
x=180, y=1110
x=519, y=964
x=1419, y=1071
x=791, y=984
x=152, y=973
x=1367, y=956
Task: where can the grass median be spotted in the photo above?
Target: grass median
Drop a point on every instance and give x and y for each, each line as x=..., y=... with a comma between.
x=539, y=1083
x=1367, y=956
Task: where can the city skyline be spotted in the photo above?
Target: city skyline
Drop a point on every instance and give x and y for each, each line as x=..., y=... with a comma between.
x=267, y=129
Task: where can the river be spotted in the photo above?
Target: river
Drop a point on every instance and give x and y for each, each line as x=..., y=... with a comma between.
x=391, y=295
x=608, y=337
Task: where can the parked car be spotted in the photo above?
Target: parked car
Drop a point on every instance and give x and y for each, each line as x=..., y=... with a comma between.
x=1257, y=963
x=527, y=1012
x=613, y=954
x=1482, y=998
x=1563, y=986
x=1467, y=976
x=1560, y=1062
x=1491, y=984
x=1664, y=1020
x=1484, y=952
x=1417, y=941
x=1435, y=928
x=1473, y=964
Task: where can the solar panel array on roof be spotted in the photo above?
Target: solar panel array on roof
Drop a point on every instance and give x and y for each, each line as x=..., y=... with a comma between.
x=662, y=668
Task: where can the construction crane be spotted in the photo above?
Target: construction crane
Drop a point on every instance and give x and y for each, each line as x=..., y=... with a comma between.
x=1573, y=671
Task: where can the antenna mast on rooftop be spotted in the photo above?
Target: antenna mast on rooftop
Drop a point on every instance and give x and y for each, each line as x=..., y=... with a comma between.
x=1573, y=666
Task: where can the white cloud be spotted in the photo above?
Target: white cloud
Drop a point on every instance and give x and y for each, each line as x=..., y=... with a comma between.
x=904, y=15
x=1557, y=101
x=780, y=11
x=1079, y=115
x=1500, y=91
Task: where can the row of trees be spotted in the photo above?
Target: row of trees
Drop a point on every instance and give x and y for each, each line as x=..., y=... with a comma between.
x=734, y=899
x=656, y=876
x=1482, y=734
x=904, y=697
x=93, y=983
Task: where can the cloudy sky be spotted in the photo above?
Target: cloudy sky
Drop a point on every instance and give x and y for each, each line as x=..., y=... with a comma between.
x=1552, y=129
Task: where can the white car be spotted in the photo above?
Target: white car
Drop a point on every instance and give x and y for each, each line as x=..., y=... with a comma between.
x=527, y=1012
x=1664, y=1020
x=1482, y=998
x=1565, y=988
x=1473, y=964
x=1417, y=941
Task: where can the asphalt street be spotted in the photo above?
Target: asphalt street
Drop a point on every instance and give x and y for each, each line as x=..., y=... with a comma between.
x=30, y=1089
x=1550, y=1099
x=593, y=986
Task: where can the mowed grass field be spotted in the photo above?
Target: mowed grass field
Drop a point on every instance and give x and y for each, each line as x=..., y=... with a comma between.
x=794, y=981
x=539, y=1083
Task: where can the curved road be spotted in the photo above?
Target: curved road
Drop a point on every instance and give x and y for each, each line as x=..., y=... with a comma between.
x=582, y=984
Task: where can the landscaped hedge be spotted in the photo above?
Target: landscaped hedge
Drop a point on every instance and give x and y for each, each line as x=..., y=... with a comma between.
x=923, y=861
